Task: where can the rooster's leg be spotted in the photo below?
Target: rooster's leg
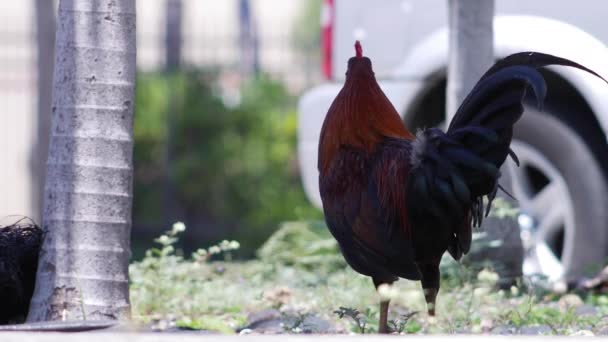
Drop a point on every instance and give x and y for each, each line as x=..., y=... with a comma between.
x=383, y=323
x=430, y=295
x=430, y=283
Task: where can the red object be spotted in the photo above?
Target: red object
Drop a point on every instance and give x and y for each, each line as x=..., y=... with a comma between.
x=327, y=28
x=358, y=49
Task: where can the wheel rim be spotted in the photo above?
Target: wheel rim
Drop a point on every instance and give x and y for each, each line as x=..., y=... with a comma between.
x=546, y=218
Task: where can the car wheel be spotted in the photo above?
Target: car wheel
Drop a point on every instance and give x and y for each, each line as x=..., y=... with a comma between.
x=563, y=199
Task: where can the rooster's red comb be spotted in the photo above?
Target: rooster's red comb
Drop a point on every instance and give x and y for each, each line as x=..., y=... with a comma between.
x=358, y=49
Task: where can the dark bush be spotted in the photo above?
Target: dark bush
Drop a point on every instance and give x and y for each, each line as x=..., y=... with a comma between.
x=234, y=168
x=19, y=247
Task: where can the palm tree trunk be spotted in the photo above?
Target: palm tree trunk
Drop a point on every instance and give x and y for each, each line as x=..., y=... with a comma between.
x=83, y=266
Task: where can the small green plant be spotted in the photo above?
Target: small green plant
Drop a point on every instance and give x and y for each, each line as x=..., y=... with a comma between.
x=405, y=323
x=359, y=319
x=306, y=245
x=162, y=280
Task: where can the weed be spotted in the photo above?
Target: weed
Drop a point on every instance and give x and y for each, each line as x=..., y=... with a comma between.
x=357, y=317
x=405, y=324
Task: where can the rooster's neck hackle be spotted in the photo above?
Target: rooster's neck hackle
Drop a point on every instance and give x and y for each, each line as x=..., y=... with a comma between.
x=361, y=116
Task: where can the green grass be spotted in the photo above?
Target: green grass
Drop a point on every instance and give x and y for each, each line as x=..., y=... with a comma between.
x=300, y=272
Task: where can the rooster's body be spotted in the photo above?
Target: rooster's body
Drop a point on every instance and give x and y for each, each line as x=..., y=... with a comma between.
x=396, y=202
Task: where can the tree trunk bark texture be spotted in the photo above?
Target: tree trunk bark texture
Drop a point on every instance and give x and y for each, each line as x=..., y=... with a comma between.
x=83, y=266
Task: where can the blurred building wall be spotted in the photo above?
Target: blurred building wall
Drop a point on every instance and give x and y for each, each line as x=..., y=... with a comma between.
x=17, y=104
x=210, y=39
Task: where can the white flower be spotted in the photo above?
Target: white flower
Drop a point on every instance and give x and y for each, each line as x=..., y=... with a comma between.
x=214, y=250
x=235, y=245
x=514, y=290
x=163, y=240
x=179, y=227
x=200, y=254
x=225, y=245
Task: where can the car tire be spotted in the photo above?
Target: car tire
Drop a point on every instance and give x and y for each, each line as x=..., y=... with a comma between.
x=584, y=243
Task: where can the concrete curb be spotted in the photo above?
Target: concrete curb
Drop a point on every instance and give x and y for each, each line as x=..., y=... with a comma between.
x=187, y=337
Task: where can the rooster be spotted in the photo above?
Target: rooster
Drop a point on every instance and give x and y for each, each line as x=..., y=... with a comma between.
x=395, y=201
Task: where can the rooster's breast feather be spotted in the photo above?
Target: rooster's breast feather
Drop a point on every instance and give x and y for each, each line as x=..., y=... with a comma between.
x=370, y=239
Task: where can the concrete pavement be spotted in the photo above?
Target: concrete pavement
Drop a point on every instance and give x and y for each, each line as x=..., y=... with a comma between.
x=192, y=337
